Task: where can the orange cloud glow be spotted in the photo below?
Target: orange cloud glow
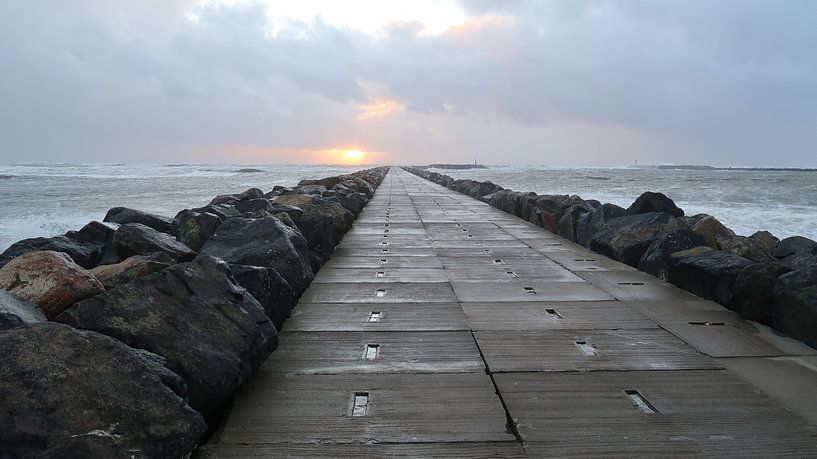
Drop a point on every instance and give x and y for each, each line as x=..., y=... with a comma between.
x=378, y=109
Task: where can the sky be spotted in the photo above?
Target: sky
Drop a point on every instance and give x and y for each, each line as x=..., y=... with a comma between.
x=563, y=83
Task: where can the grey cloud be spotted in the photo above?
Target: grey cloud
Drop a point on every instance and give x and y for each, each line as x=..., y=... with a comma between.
x=728, y=81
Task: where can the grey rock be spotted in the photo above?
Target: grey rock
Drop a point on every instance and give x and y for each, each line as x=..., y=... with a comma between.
x=195, y=228
x=706, y=272
x=271, y=290
x=123, y=215
x=72, y=393
x=211, y=332
x=655, y=259
x=265, y=242
x=85, y=254
x=795, y=312
x=654, y=202
x=137, y=239
x=753, y=291
x=627, y=238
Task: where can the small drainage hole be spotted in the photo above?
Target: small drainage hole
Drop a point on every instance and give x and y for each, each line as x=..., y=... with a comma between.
x=640, y=402
x=554, y=314
x=360, y=404
x=586, y=349
x=375, y=316
x=630, y=283
x=707, y=324
x=529, y=290
x=372, y=351
x=380, y=274
x=380, y=293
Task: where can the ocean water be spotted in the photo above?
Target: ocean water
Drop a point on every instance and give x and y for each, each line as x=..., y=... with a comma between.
x=46, y=200
x=783, y=202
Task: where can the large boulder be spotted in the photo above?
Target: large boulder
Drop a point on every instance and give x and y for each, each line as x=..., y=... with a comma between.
x=627, y=238
x=506, y=201
x=592, y=222
x=797, y=252
x=745, y=247
x=765, y=240
x=547, y=212
x=72, y=393
x=322, y=223
x=571, y=217
x=211, y=331
x=85, y=254
x=354, y=202
x=269, y=288
x=195, y=228
x=232, y=199
x=49, y=279
x=795, y=312
x=711, y=229
x=706, y=272
x=99, y=234
x=795, y=245
x=254, y=205
x=16, y=312
x=131, y=269
x=222, y=211
x=137, y=239
x=123, y=215
x=753, y=297
x=655, y=259
x=265, y=242
x=311, y=189
x=654, y=202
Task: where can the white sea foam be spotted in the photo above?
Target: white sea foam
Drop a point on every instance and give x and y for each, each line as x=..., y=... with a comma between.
x=46, y=200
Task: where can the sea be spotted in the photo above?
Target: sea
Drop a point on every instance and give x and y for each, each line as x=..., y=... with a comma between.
x=783, y=202
x=50, y=199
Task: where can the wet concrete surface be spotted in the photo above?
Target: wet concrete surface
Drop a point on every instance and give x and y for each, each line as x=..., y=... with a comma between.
x=466, y=332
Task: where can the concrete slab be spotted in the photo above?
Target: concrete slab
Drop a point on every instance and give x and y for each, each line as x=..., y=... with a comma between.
x=335, y=450
x=382, y=273
x=393, y=261
x=505, y=273
x=790, y=380
x=711, y=411
x=725, y=334
x=587, y=315
x=531, y=291
x=389, y=317
x=636, y=286
x=379, y=293
x=584, y=260
x=588, y=350
x=385, y=250
x=413, y=408
x=374, y=352
x=662, y=311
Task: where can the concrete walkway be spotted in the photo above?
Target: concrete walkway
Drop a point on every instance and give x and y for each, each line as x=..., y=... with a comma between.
x=442, y=326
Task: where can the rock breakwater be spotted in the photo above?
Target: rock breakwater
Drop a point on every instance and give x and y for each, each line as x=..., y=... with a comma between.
x=765, y=279
x=130, y=336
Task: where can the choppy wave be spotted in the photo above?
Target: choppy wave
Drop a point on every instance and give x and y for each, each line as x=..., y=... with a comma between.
x=50, y=199
x=783, y=202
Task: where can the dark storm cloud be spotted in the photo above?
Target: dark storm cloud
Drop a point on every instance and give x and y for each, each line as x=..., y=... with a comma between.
x=728, y=82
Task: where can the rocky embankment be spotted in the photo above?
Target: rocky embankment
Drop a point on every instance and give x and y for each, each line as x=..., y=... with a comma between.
x=762, y=278
x=129, y=337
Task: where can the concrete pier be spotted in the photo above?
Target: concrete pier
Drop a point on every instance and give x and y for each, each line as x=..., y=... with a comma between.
x=442, y=326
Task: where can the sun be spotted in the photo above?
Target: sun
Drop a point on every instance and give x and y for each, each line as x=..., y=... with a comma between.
x=349, y=156
x=353, y=156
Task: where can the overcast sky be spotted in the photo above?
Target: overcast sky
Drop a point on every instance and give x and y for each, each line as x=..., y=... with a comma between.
x=722, y=82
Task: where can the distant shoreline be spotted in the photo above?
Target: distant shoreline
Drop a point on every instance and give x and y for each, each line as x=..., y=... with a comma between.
x=713, y=168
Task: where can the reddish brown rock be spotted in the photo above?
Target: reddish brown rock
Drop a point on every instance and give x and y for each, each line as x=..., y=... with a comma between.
x=50, y=280
x=710, y=228
x=131, y=269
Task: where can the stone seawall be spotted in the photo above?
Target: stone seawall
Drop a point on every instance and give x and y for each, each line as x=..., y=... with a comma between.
x=762, y=278
x=129, y=337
